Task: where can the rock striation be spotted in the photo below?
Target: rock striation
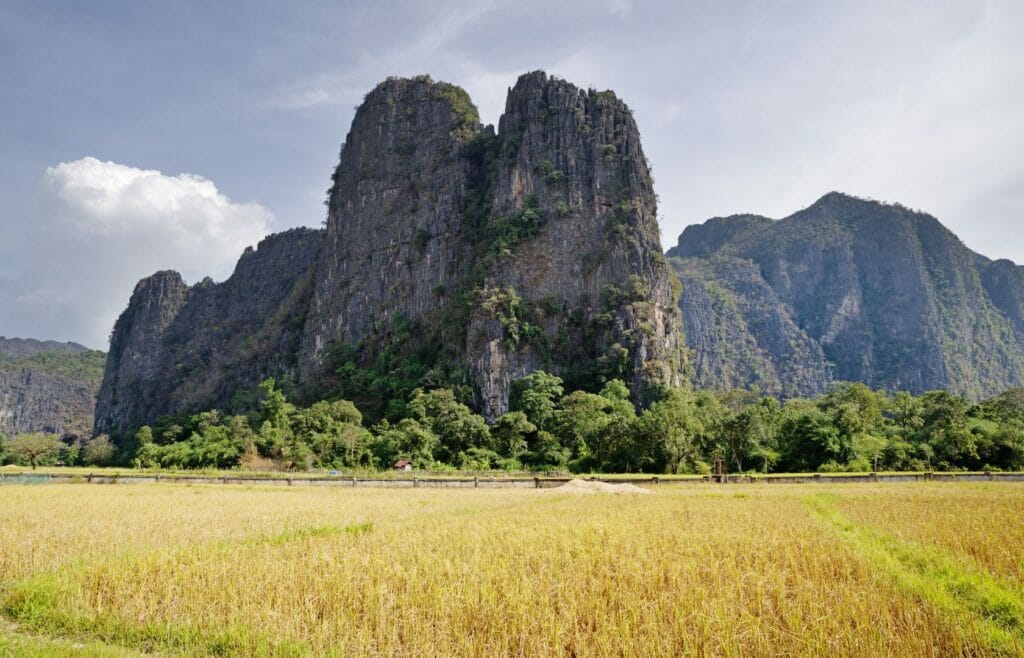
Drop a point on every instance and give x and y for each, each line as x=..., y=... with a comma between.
x=533, y=246
x=848, y=289
x=46, y=386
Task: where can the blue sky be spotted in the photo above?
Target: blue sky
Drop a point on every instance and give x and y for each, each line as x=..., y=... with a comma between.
x=141, y=136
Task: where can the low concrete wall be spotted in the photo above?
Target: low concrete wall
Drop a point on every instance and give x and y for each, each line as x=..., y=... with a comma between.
x=493, y=482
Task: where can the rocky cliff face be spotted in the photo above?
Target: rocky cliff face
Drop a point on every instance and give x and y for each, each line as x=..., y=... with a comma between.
x=887, y=296
x=535, y=246
x=394, y=226
x=178, y=348
x=740, y=333
x=46, y=386
x=587, y=269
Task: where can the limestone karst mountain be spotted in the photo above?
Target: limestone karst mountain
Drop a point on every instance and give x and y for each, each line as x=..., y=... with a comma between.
x=848, y=289
x=487, y=254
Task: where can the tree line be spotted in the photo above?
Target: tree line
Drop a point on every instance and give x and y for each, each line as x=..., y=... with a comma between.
x=849, y=428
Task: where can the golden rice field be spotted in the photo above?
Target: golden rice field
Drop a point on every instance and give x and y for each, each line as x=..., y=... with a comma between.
x=923, y=569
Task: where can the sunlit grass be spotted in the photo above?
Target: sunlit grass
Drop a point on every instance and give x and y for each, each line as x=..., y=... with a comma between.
x=978, y=520
x=738, y=570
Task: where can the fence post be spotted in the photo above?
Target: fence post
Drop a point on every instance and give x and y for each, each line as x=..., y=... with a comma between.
x=536, y=483
x=476, y=482
x=415, y=483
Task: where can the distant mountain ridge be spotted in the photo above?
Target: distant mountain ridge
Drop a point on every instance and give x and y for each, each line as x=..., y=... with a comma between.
x=22, y=347
x=847, y=289
x=48, y=386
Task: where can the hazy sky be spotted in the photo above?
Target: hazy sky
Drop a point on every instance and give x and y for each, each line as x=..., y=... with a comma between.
x=139, y=136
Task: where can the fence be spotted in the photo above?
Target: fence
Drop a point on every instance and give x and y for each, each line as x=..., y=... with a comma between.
x=492, y=482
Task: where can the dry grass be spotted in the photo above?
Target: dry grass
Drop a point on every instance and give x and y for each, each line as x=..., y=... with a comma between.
x=980, y=521
x=753, y=570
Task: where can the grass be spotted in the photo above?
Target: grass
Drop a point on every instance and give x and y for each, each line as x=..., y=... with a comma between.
x=962, y=590
x=743, y=570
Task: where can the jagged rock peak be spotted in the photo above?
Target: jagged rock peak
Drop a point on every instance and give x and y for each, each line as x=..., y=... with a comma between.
x=554, y=209
x=394, y=213
x=573, y=160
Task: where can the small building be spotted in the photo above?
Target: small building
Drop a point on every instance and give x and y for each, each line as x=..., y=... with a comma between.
x=403, y=465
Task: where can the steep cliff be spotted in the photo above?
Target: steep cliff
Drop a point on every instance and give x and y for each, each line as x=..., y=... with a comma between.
x=481, y=255
x=888, y=295
x=580, y=287
x=536, y=247
x=178, y=348
x=394, y=224
x=46, y=386
x=740, y=334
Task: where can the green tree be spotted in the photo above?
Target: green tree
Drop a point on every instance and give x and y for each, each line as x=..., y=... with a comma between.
x=408, y=439
x=905, y=411
x=809, y=440
x=668, y=431
x=512, y=433
x=99, y=451
x=610, y=435
x=333, y=432
x=537, y=395
x=455, y=424
x=751, y=434
x=945, y=428
x=34, y=448
x=274, y=407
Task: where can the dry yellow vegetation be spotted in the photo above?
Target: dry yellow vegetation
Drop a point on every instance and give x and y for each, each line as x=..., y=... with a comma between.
x=754, y=570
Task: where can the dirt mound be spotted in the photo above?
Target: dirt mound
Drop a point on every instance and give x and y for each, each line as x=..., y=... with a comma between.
x=593, y=487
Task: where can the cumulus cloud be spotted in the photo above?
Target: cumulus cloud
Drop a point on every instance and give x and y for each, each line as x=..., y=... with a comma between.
x=103, y=226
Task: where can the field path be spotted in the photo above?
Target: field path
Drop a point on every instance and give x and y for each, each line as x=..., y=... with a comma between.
x=963, y=592
x=17, y=643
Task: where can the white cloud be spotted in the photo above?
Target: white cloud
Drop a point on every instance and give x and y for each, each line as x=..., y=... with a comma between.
x=103, y=226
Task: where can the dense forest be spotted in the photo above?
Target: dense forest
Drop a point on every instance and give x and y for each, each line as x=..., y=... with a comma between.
x=849, y=428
